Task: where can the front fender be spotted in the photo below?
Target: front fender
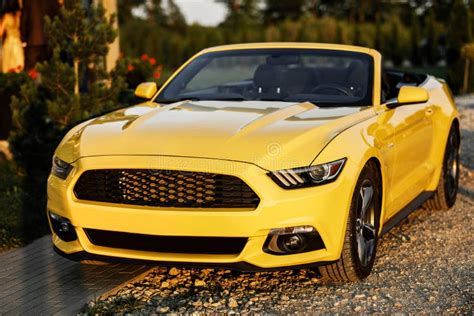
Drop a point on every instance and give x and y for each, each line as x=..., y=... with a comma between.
x=359, y=146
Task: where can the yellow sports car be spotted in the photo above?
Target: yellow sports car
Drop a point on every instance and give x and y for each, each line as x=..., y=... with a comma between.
x=258, y=157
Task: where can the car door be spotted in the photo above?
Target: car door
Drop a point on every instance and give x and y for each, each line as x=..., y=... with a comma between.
x=411, y=144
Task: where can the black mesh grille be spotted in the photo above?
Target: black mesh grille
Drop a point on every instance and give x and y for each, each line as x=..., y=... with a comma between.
x=165, y=188
x=170, y=244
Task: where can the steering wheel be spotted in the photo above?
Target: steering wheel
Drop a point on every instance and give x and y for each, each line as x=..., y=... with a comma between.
x=331, y=86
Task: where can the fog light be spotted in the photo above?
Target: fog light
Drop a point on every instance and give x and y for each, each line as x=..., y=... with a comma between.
x=291, y=243
x=291, y=240
x=62, y=227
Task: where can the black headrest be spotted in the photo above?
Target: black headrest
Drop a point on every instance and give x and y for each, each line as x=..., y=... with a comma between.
x=356, y=69
x=267, y=76
x=298, y=80
x=300, y=75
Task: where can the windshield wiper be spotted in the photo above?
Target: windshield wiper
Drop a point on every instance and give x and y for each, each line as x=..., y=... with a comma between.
x=229, y=99
x=178, y=100
x=203, y=99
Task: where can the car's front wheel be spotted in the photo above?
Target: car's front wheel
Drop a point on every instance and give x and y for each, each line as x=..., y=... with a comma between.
x=360, y=241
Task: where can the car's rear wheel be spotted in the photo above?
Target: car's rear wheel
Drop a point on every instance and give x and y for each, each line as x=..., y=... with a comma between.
x=360, y=241
x=447, y=190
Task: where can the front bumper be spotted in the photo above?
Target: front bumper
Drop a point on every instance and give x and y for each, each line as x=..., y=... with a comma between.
x=324, y=207
x=236, y=266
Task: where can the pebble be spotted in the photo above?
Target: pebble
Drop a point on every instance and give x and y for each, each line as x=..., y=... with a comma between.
x=174, y=271
x=199, y=283
x=232, y=303
x=163, y=310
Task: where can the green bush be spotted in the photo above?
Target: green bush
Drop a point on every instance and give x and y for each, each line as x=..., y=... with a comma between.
x=459, y=33
x=70, y=87
x=11, y=216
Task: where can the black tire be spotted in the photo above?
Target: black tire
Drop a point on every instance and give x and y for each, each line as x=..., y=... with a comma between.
x=94, y=263
x=354, y=265
x=446, y=192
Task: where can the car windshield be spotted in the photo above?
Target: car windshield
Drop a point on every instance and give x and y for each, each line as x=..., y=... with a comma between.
x=321, y=76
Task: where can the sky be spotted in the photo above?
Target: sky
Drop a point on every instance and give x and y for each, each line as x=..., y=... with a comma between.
x=204, y=12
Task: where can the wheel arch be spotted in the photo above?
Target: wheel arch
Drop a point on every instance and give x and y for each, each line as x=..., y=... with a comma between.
x=457, y=126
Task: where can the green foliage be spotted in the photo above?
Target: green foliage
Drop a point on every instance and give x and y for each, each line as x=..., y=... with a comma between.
x=80, y=42
x=11, y=221
x=395, y=53
x=431, y=52
x=400, y=30
x=279, y=10
x=10, y=84
x=415, y=40
x=459, y=33
x=378, y=33
x=240, y=13
x=73, y=86
x=138, y=70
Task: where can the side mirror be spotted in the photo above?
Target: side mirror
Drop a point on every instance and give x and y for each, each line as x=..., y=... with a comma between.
x=408, y=95
x=146, y=90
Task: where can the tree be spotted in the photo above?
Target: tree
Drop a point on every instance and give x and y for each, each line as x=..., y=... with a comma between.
x=415, y=39
x=156, y=13
x=125, y=9
x=241, y=13
x=467, y=53
x=356, y=39
x=378, y=33
x=80, y=40
x=279, y=10
x=175, y=20
x=395, y=50
x=74, y=86
x=459, y=33
x=431, y=46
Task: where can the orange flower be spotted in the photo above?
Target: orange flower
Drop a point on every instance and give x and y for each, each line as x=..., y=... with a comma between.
x=144, y=57
x=130, y=67
x=152, y=61
x=33, y=74
x=157, y=75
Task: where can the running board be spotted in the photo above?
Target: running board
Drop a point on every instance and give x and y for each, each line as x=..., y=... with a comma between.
x=407, y=210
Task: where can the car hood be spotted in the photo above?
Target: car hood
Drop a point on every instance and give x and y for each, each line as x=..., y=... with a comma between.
x=272, y=135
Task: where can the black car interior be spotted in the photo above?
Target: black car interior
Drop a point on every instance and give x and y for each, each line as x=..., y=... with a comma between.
x=393, y=80
x=274, y=81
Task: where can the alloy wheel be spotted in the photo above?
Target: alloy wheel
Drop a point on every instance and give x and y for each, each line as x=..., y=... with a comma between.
x=452, y=166
x=365, y=223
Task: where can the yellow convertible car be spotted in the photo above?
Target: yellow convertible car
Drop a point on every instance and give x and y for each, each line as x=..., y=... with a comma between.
x=258, y=157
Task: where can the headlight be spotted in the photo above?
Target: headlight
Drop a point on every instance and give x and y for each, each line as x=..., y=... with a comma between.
x=308, y=176
x=60, y=169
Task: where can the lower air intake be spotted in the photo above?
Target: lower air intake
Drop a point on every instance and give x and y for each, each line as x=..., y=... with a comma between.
x=169, y=244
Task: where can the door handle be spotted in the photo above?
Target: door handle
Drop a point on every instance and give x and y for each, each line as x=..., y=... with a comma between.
x=429, y=111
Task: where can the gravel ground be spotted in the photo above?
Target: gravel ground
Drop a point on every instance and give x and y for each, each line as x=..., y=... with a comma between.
x=424, y=265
